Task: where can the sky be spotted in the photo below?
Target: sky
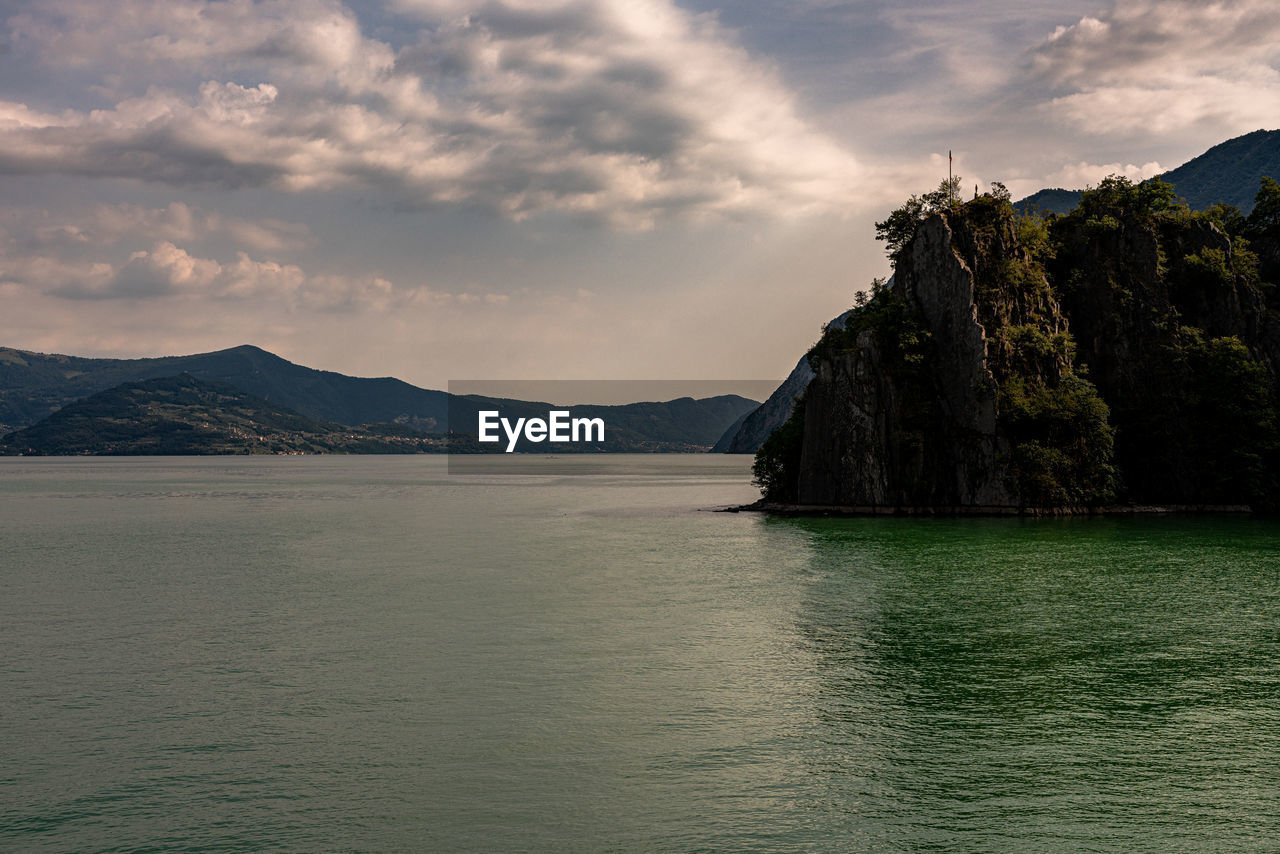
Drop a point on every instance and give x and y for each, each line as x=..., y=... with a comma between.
x=594, y=189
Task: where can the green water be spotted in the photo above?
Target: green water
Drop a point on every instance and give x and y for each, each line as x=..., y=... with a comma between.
x=366, y=654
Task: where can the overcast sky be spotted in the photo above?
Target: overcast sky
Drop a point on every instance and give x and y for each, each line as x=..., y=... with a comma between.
x=448, y=189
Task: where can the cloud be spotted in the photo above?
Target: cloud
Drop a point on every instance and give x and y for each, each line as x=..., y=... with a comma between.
x=54, y=275
x=166, y=270
x=103, y=225
x=623, y=111
x=1165, y=66
x=1076, y=176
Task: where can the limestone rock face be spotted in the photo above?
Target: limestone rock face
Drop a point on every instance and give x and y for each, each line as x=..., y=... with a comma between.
x=939, y=280
x=848, y=448
x=857, y=450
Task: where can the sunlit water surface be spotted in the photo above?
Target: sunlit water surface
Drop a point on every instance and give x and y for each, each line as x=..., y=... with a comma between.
x=366, y=654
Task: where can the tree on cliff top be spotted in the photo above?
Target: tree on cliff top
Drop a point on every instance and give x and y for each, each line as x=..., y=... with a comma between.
x=1117, y=196
x=900, y=226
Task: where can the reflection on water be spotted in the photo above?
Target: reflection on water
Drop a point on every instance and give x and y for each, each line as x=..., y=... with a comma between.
x=1050, y=683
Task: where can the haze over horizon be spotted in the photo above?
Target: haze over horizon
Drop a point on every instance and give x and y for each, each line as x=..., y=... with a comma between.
x=443, y=189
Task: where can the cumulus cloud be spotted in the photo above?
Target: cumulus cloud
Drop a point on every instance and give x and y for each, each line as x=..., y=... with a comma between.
x=1076, y=176
x=167, y=270
x=1163, y=66
x=164, y=269
x=625, y=111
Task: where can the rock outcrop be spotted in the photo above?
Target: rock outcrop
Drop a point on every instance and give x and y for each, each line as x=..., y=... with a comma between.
x=1123, y=353
x=880, y=430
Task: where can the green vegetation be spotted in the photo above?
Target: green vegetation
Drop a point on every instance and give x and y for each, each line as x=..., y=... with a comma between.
x=776, y=469
x=1265, y=215
x=1226, y=174
x=1171, y=412
x=1062, y=443
x=184, y=415
x=1235, y=443
x=1194, y=407
x=900, y=226
x=899, y=331
x=1055, y=421
x=1118, y=198
x=1229, y=172
x=1262, y=229
x=904, y=347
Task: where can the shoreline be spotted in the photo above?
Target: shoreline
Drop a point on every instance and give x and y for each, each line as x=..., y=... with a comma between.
x=857, y=511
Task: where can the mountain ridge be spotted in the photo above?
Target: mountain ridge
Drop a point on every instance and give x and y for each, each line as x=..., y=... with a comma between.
x=1228, y=172
x=32, y=385
x=38, y=384
x=183, y=415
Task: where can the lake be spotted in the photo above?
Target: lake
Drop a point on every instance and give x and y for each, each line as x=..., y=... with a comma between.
x=368, y=654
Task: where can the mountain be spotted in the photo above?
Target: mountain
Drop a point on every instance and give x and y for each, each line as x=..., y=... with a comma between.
x=698, y=423
x=32, y=385
x=683, y=425
x=748, y=434
x=1128, y=352
x=1229, y=172
x=1056, y=200
x=185, y=415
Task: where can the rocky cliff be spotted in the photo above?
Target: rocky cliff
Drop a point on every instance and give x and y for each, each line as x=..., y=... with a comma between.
x=1125, y=352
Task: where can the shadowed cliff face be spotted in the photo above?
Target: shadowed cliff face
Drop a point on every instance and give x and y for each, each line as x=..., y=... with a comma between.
x=1147, y=298
x=969, y=381
x=885, y=429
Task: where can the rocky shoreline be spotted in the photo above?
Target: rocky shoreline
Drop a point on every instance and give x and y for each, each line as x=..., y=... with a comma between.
x=774, y=508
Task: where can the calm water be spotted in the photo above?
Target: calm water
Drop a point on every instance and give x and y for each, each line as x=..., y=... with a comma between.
x=364, y=654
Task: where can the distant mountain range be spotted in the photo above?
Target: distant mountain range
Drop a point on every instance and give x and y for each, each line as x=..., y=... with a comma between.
x=183, y=415
x=1229, y=172
x=201, y=403
x=749, y=433
x=32, y=385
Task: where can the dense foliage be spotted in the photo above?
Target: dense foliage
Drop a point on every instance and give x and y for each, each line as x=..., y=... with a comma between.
x=1235, y=441
x=1227, y=173
x=1193, y=406
x=777, y=464
x=1180, y=406
x=900, y=226
x=1061, y=441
